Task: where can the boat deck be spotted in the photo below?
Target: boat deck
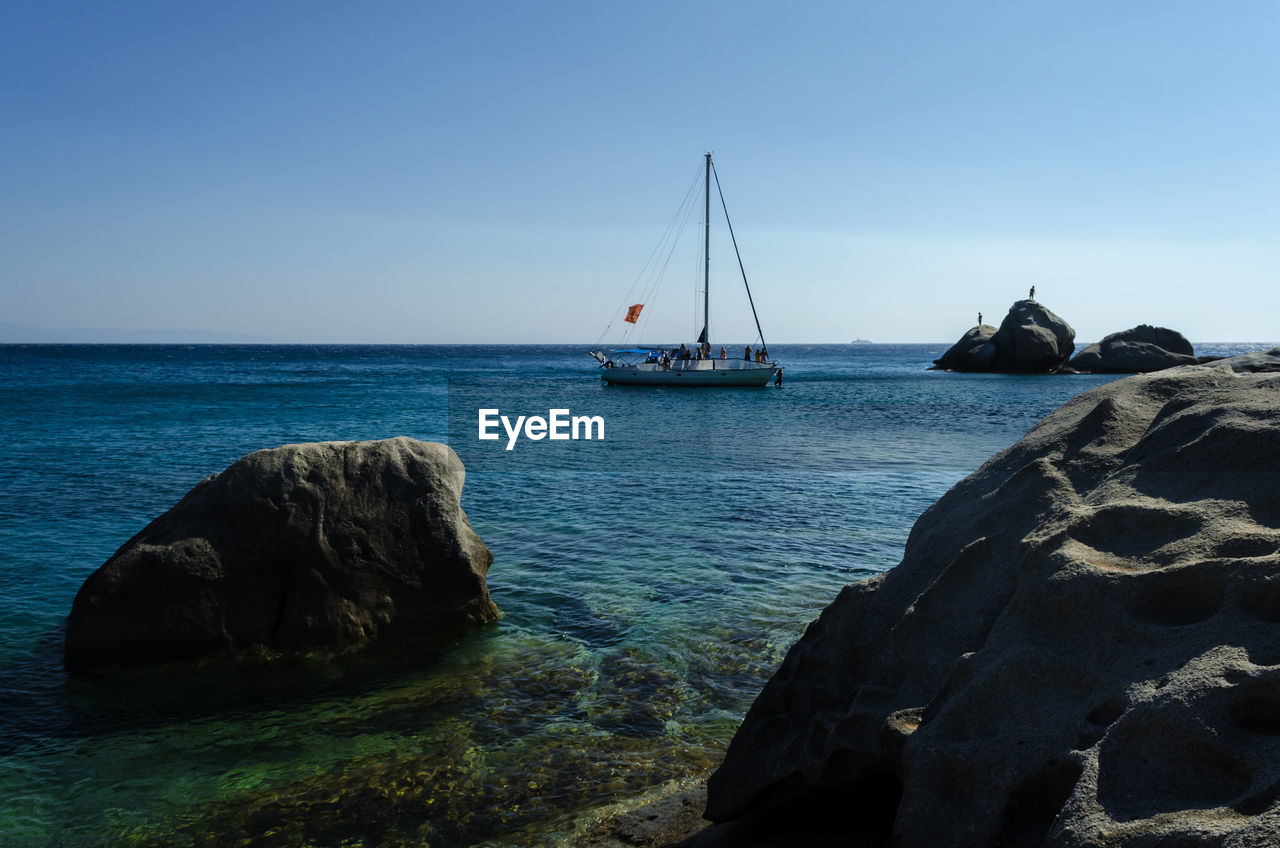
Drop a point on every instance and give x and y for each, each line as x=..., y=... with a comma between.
x=692, y=372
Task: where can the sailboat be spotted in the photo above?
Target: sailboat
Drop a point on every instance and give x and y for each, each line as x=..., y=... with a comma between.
x=653, y=366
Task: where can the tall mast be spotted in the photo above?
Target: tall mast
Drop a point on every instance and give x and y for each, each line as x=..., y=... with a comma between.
x=706, y=251
x=738, y=253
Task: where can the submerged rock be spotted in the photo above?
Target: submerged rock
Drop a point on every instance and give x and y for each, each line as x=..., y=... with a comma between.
x=1030, y=339
x=1138, y=350
x=320, y=545
x=1078, y=647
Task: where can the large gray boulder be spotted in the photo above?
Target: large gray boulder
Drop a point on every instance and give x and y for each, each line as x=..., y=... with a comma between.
x=974, y=352
x=322, y=545
x=1138, y=350
x=1080, y=647
x=1030, y=340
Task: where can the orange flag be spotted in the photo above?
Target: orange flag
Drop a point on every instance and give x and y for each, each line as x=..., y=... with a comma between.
x=633, y=313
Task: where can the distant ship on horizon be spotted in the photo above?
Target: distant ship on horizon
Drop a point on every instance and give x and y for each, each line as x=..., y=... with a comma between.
x=861, y=342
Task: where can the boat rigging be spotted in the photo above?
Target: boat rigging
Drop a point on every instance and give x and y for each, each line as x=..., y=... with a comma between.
x=697, y=366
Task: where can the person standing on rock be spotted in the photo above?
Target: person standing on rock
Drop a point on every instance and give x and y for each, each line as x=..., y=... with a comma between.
x=1032, y=295
x=979, y=319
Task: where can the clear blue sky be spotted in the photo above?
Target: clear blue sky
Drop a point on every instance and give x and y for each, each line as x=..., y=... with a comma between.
x=453, y=172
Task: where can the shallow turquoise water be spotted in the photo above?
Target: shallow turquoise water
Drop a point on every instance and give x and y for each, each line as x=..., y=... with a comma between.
x=649, y=582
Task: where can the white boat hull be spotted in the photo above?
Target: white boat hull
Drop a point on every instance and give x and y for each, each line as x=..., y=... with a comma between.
x=697, y=372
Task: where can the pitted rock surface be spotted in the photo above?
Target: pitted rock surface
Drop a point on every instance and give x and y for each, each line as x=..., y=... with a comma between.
x=1081, y=645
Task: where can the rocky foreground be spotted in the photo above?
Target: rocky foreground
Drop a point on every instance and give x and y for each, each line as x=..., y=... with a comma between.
x=321, y=545
x=1081, y=646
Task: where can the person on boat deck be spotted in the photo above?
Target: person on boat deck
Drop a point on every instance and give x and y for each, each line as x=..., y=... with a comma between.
x=746, y=353
x=723, y=353
x=764, y=354
x=706, y=350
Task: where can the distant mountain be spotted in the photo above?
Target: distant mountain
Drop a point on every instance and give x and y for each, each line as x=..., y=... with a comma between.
x=19, y=334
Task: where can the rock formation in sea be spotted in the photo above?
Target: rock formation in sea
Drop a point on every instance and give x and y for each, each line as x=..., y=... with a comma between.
x=320, y=545
x=974, y=352
x=1079, y=647
x=1138, y=350
x=1030, y=339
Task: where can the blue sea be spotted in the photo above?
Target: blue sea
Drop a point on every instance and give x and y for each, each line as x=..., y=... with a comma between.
x=650, y=581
